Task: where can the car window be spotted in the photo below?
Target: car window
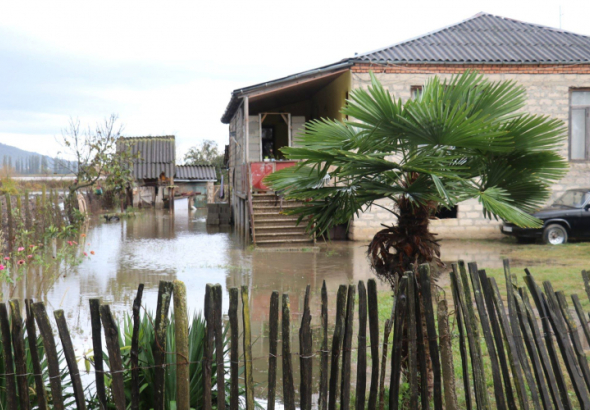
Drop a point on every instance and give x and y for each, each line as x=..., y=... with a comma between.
x=574, y=199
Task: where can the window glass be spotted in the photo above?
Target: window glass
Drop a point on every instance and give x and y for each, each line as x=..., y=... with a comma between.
x=581, y=98
x=575, y=199
x=578, y=141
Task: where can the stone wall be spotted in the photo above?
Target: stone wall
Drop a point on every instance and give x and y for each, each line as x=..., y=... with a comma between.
x=548, y=94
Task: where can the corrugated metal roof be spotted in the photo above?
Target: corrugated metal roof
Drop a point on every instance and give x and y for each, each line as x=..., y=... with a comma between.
x=195, y=172
x=157, y=155
x=488, y=39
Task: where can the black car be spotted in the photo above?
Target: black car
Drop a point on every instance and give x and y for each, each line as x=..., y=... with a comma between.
x=567, y=218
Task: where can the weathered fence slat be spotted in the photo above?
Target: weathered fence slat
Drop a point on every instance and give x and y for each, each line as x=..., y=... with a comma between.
x=581, y=317
x=487, y=333
x=384, y=352
x=459, y=315
x=9, y=214
x=586, y=278
x=273, y=323
x=374, y=333
x=220, y=367
x=422, y=359
x=32, y=341
x=182, y=346
x=208, y=348
x=337, y=346
x=247, y=349
x=497, y=332
x=28, y=221
x=288, y=387
x=424, y=273
x=510, y=346
x=361, y=369
x=42, y=319
x=347, y=349
x=574, y=337
x=20, y=360
x=567, y=353
x=325, y=353
x=163, y=306
x=446, y=355
x=134, y=349
x=97, y=351
x=234, y=348
x=518, y=337
x=111, y=336
x=412, y=346
x=547, y=332
x=532, y=351
x=464, y=296
x=11, y=400
x=305, y=355
x=396, y=353
x=70, y=355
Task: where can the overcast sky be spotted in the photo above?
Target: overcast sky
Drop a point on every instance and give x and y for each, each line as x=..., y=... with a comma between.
x=169, y=67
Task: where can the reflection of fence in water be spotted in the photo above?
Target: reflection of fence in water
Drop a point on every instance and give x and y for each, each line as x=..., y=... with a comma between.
x=526, y=367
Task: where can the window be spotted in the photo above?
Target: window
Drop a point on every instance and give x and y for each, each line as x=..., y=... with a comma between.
x=579, y=146
x=415, y=91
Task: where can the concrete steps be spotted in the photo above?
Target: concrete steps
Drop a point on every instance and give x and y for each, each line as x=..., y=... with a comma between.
x=274, y=229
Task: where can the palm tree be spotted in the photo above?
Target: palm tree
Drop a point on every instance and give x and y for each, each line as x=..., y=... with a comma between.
x=464, y=138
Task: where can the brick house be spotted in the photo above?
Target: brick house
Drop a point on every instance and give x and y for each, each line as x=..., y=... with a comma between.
x=553, y=65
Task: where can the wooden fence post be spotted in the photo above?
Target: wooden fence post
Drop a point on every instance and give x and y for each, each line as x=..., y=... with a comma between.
x=234, y=354
x=208, y=348
x=489, y=301
x=361, y=370
x=412, y=339
x=11, y=400
x=325, y=354
x=28, y=222
x=487, y=333
x=135, y=349
x=10, y=241
x=273, y=322
x=218, y=321
x=582, y=317
x=159, y=349
x=97, y=348
x=70, y=355
x=459, y=317
x=384, y=351
x=305, y=355
x=182, y=346
x=111, y=335
x=32, y=341
x=42, y=319
x=446, y=354
x=374, y=333
x=38, y=216
x=288, y=387
x=336, y=347
x=586, y=278
x=247, y=349
x=396, y=353
x=347, y=349
x=18, y=343
x=562, y=387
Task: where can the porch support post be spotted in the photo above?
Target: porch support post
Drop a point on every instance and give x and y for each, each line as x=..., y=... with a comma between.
x=247, y=130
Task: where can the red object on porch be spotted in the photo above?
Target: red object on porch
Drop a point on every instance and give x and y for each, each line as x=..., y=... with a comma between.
x=261, y=169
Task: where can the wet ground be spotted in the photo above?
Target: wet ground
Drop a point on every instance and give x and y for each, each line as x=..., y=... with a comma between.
x=155, y=246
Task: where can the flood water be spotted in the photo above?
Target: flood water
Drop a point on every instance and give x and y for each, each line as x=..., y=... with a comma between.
x=156, y=245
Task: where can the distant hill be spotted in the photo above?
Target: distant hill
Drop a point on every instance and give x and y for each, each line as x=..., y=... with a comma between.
x=26, y=162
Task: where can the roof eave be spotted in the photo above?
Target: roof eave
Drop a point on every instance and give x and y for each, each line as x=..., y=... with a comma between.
x=241, y=92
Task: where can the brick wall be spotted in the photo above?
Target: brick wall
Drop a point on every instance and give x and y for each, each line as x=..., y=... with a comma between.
x=548, y=94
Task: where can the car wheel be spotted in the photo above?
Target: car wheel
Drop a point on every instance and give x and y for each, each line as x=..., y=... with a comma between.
x=555, y=235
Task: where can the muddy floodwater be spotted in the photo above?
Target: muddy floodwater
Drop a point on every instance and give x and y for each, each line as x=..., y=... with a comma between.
x=155, y=246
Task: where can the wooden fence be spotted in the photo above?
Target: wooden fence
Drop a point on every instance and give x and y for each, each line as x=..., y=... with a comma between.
x=497, y=336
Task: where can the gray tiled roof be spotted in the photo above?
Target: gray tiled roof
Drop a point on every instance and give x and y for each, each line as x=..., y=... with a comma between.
x=485, y=38
x=195, y=173
x=157, y=155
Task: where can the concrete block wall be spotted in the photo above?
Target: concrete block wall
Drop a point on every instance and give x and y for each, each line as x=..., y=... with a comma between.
x=548, y=92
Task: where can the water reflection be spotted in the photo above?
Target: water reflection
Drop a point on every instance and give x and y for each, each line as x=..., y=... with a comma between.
x=155, y=246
